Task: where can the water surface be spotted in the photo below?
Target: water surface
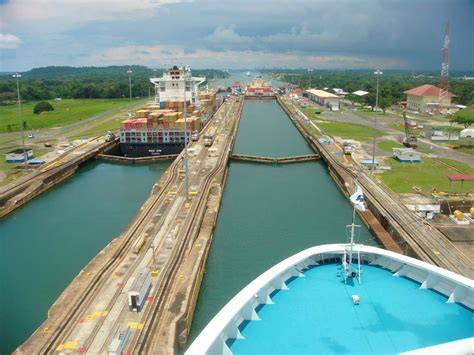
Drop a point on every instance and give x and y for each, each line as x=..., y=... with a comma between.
x=269, y=212
x=44, y=244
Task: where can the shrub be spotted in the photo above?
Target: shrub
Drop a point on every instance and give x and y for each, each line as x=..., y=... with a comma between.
x=42, y=106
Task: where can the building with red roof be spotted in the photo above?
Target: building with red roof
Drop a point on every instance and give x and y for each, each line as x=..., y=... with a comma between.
x=425, y=98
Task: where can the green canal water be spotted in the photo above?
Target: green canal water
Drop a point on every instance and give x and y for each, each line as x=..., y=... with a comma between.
x=47, y=242
x=269, y=212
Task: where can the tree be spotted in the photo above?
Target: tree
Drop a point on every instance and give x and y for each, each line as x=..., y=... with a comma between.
x=370, y=100
x=385, y=102
x=464, y=117
x=42, y=106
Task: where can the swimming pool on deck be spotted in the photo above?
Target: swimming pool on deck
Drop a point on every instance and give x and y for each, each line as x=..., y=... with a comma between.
x=317, y=315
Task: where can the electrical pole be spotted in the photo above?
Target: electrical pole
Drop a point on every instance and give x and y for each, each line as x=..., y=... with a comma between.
x=377, y=74
x=186, y=172
x=17, y=76
x=129, y=72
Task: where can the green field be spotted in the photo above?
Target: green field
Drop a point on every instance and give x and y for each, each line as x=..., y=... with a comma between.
x=387, y=145
x=65, y=112
x=342, y=129
x=100, y=129
x=369, y=113
x=427, y=176
x=349, y=130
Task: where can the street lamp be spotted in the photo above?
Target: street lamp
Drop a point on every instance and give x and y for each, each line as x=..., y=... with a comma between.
x=186, y=167
x=310, y=71
x=17, y=76
x=377, y=73
x=129, y=72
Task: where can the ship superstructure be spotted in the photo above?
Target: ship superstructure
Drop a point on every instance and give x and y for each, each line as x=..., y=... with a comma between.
x=171, y=85
x=160, y=128
x=258, y=87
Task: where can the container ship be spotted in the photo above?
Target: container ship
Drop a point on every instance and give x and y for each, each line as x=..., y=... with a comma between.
x=159, y=128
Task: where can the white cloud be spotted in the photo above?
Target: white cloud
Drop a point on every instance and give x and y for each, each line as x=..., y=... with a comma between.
x=164, y=56
x=9, y=41
x=228, y=36
x=49, y=16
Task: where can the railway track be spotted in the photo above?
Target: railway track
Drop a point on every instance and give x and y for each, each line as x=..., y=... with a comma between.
x=142, y=343
x=131, y=235
x=93, y=288
x=430, y=245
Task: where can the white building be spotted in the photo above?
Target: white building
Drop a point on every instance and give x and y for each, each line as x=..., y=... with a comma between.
x=324, y=98
x=406, y=155
x=360, y=93
x=18, y=156
x=171, y=85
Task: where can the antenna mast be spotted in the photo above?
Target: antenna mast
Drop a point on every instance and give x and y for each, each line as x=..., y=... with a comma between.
x=443, y=92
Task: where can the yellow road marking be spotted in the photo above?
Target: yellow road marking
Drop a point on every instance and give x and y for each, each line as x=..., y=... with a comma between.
x=67, y=345
x=97, y=314
x=135, y=325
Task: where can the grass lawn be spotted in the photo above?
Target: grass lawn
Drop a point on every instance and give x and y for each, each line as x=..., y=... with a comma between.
x=65, y=112
x=100, y=129
x=428, y=175
x=423, y=150
x=341, y=129
x=387, y=145
x=368, y=112
x=349, y=130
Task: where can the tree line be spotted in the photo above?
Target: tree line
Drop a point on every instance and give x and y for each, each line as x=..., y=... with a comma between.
x=392, y=83
x=85, y=82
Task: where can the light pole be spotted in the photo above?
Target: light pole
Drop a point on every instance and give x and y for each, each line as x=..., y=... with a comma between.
x=310, y=71
x=17, y=76
x=377, y=74
x=129, y=72
x=186, y=171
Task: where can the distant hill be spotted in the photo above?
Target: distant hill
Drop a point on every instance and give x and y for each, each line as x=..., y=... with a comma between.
x=101, y=73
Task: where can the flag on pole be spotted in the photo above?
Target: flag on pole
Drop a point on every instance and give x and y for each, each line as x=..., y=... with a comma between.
x=358, y=199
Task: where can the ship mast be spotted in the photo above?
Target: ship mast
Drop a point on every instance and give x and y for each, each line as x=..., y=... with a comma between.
x=357, y=200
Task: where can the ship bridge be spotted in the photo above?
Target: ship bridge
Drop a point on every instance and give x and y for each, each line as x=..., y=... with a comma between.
x=177, y=83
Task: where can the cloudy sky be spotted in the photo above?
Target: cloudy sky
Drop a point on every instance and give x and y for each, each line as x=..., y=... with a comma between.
x=235, y=33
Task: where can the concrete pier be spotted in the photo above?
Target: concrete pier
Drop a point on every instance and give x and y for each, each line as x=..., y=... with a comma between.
x=397, y=228
x=173, y=234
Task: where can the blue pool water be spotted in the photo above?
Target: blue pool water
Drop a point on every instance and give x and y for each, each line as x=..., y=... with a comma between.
x=316, y=315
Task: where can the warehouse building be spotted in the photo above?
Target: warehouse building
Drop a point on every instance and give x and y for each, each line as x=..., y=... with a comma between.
x=324, y=98
x=426, y=98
